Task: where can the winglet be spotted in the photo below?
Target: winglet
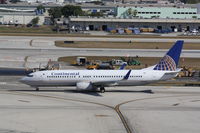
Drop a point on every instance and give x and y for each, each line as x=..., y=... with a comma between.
x=170, y=61
x=127, y=75
x=122, y=66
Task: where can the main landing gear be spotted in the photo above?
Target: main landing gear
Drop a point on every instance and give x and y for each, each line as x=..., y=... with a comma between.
x=37, y=89
x=102, y=89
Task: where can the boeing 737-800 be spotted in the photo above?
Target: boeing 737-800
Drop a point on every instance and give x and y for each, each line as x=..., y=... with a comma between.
x=94, y=79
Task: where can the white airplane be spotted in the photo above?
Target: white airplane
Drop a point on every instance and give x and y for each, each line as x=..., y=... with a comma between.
x=94, y=79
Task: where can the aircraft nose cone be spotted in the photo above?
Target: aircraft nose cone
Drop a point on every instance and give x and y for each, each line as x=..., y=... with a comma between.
x=24, y=80
x=28, y=80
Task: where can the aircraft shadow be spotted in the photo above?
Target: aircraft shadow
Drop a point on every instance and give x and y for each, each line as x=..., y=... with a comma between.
x=131, y=91
x=87, y=92
x=93, y=93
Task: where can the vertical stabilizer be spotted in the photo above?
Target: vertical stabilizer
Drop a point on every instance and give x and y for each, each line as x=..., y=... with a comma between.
x=170, y=61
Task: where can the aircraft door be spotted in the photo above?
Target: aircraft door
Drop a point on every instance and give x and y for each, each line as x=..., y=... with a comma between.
x=42, y=76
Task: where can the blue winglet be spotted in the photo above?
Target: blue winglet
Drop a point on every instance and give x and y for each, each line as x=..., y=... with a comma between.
x=170, y=61
x=127, y=75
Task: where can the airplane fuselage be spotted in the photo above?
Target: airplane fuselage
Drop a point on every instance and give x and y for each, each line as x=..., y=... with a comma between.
x=111, y=77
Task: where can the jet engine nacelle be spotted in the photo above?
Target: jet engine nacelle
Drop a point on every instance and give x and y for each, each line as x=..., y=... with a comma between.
x=84, y=86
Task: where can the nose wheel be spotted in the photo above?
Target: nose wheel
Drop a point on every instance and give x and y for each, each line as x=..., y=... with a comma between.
x=102, y=89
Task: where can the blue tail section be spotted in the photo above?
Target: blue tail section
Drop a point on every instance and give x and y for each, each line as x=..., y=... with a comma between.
x=170, y=61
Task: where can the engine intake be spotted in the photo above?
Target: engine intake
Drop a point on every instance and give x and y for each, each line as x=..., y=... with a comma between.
x=84, y=86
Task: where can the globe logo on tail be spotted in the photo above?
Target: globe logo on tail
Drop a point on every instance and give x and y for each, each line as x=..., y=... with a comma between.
x=166, y=64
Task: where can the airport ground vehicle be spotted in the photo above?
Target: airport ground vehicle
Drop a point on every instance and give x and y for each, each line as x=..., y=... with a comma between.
x=98, y=66
x=186, y=72
x=81, y=61
x=131, y=61
x=118, y=62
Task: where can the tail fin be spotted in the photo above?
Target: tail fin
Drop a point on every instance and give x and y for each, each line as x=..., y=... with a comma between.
x=170, y=61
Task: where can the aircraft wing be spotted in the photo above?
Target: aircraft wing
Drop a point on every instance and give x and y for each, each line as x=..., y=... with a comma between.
x=105, y=83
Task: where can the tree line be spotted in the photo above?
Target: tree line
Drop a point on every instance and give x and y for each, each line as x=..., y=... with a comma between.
x=66, y=11
x=70, y=10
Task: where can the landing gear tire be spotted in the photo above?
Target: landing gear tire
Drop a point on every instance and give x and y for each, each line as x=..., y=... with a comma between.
x=102, y=90
x=37, y=89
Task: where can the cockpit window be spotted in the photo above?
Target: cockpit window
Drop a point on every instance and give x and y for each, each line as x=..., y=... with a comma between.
x=30, y=75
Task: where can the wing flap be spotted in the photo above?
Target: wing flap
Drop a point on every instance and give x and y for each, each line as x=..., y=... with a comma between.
x=105, y=83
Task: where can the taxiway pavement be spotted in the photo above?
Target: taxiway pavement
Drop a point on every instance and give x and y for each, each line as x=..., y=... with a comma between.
x=146, y=109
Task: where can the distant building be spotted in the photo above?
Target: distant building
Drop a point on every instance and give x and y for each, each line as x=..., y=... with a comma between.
x=162, y=18
x=83, y=1
x=141, y=1
x=3, y=1
x=16, y=16
x=43, y=1
x=115, y=23
x=157, y=12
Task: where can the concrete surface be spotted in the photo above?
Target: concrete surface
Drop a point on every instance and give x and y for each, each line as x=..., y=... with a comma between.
x=33, y=58
x=21, y=113
x=31, y=51
x=164, y=115
x=146, y=109
x=41, y=38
